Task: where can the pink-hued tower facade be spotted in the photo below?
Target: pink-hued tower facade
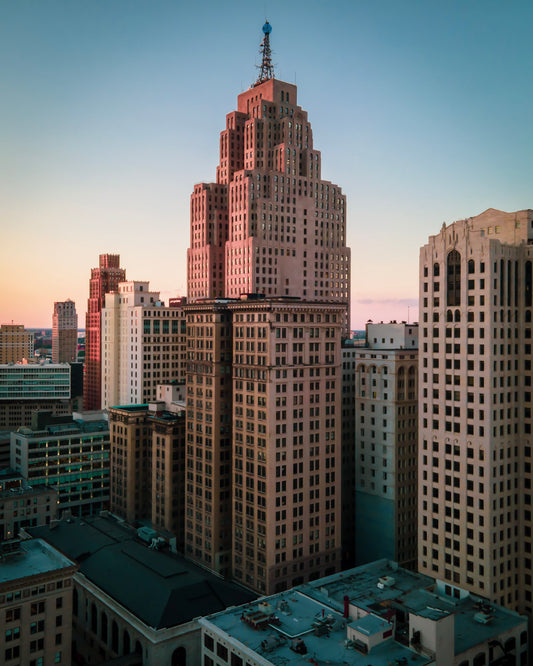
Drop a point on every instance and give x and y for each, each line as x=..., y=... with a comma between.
x=104, y=279
x=270, y=224
x=268, y=305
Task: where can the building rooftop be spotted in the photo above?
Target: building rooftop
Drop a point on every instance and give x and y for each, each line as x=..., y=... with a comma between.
x=391, y=597
x=131, y=408
x=63, y=429
x=162, y=589
x=382, y=585
x=293, y=620
x=25, y=491
x=34, y=557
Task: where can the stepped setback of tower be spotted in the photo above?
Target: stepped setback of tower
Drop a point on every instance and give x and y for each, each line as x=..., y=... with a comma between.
x=269, y=225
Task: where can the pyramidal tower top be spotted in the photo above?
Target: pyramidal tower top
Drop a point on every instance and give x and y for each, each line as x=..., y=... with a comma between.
x=269, y=224
x=266, y=68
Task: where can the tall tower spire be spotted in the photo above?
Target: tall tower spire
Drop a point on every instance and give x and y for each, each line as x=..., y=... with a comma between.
x=266, y=67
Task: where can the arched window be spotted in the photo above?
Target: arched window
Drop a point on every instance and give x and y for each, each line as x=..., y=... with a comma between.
x=471, y=266
x=103, y=627
x=457, y=316
x=138, y=648
x=510, y=644
x=126, y=642
x=94, y=618
x=480, y=659
x=179, y=657
x=114, y=636
x=453, y=279
x=449, y=315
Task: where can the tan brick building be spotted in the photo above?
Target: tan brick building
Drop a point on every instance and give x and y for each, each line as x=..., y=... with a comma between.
x=35, y=604
x=148, y=465
x=16, y=343
x=475, y=441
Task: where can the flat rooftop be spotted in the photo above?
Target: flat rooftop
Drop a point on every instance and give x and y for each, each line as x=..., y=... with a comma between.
x=413, y=593
x=131, y=408
x=26, y=491
x=382, y=589
x=294, y=618
x=161, y=588
x=63, y=429
x=35, y=557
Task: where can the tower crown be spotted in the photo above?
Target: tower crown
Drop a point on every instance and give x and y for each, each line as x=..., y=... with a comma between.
x=266, y=68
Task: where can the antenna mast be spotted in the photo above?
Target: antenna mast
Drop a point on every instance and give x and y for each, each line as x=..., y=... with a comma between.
x=266, y=68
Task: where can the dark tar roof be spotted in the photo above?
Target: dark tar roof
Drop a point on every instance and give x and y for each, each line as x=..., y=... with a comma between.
x=162, y=589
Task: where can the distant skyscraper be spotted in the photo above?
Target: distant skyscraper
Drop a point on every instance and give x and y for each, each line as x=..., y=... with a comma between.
x=263, y=375
x=104, y=279
x=475, y=442
x=386, y=429
x=64, y=332
x=16, y=343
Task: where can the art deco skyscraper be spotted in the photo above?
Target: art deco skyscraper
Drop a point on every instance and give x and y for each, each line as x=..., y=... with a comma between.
x=269, y=287
x=64, y=332
x=104, y=279
x=475, y=441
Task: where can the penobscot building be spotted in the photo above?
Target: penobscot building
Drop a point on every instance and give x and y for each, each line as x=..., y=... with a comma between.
x=268, y=292
x=475, y=440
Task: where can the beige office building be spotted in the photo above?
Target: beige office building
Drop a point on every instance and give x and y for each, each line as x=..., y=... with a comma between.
x=142, y=344
x=386, y=429
x=16, y=343
x=475, y=406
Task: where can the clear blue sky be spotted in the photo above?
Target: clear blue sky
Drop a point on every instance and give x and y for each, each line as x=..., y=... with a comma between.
x=111, y=110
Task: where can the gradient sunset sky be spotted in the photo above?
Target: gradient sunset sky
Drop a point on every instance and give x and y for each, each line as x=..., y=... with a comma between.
x=111, y=111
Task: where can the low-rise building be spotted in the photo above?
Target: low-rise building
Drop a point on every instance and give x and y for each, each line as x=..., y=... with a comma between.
x=29, y=387
x=71, y=455
x=22, y=505
x=130, y=598
x=35, y=604
x=377, y=614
